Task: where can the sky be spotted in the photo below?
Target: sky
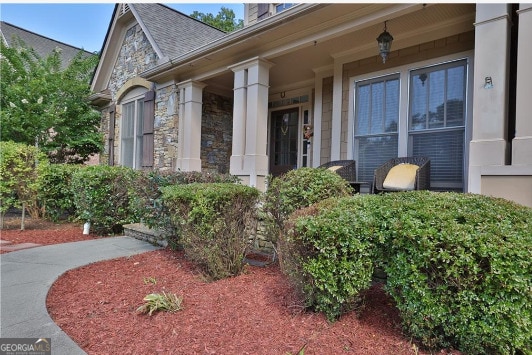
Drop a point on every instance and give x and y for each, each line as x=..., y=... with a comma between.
x=84, y=25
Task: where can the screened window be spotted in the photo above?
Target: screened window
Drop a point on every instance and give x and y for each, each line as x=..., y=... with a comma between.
x=437, y=121
x=376, y=122
x=132, y=133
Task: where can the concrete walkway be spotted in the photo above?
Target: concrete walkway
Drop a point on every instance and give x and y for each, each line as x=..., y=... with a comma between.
x=27, y=275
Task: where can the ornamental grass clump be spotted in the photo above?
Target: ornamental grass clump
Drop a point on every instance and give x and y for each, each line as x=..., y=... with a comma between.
x=167, y=302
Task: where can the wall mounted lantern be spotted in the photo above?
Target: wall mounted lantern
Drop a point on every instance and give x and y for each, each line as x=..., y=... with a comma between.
x=385, y=43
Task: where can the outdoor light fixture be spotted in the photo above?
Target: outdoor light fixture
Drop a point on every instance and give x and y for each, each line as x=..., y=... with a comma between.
x=488, y=83
x=385, y=43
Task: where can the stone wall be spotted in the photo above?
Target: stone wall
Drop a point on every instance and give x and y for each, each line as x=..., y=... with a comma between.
x=136, y=55
x=165, y=128
x=216, y=133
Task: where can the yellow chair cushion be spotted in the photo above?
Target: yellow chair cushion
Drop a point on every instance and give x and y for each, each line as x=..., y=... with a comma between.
x=334, y=168
x=401, y=177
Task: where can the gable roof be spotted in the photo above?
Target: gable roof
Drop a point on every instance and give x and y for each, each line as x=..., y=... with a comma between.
x=170, y=33
x=42, y=45
x=173, y=32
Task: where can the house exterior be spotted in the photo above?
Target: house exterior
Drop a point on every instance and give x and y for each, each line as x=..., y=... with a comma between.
x=304, y=84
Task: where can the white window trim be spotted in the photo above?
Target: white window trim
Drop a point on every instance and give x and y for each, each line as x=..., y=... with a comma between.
x=404, y=80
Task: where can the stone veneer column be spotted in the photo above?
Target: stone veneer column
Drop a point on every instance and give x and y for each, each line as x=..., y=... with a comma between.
x=522, y=143
x=488, y=146
x=253, y=102
x=189, y=134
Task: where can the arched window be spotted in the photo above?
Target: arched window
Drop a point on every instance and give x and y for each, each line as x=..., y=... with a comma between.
x=136, y=128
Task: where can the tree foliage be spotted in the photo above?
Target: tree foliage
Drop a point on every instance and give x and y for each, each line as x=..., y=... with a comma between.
x=45, y=105
x=224, y=20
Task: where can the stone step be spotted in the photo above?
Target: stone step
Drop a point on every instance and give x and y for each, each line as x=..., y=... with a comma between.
x=143, y=232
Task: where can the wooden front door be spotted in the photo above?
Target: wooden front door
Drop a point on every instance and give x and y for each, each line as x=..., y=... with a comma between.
x=284, y=134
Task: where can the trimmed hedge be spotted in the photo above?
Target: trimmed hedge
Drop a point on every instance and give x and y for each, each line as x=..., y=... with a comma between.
x=460, y=269
x=328, y=256
x=149, y=189
x=459, y=266
x=297, y=189
x=105, y=196
x=55, y=193
x=20, y=166
x=215, y=222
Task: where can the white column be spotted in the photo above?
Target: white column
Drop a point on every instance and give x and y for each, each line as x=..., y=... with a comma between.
x=318, y=110
x=256, y=158
x=488, y=146
x=255, y=125
x=522, y=143
x=336, y=124
x=239, y=121
x=189, y=145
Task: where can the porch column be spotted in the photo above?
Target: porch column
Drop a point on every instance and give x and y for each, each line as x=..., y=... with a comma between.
x=488, y=146
x=236, y=165
x=252, y=131
x=189, y=135
x=522, y=143
x=336, y=124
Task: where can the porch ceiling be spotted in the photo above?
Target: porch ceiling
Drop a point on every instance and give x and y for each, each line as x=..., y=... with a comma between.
x=301, y=45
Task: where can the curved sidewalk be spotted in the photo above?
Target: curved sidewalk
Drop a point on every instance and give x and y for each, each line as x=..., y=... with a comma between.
x=27, y=275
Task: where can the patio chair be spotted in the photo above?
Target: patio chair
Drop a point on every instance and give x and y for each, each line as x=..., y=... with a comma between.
x=347, y=169
x=419, y=178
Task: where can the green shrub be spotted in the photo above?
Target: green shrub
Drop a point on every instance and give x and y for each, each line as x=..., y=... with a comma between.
x=460, y=269
x=20, y=166
x=328, y=255
x=297, y=189
x=215, y=222
x=55, y=193
x=104, y=195
x=153, y=211
x=459, y=266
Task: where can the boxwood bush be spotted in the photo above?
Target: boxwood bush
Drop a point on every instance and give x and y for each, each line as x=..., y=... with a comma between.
x=55, y=193
x=149, y=189
x=215, y=222
x=460, y=269
x=103, y=196
x=294, y=190
x=328, y=256
x=459, y=266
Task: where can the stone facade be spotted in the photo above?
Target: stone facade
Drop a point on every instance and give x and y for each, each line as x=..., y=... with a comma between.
x=136, y=56
x=165, y=128
x=216, y=133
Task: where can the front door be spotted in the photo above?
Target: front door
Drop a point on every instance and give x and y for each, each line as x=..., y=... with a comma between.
x=284, y=129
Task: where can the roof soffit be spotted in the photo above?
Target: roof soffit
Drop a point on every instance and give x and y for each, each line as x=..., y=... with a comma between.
x=281, y=34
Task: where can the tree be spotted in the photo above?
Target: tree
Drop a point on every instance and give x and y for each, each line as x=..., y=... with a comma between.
x=44, y=105
x=225, y=20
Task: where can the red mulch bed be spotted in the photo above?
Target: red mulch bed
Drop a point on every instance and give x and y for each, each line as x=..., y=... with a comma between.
x=255, y=313
x=41, y=232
